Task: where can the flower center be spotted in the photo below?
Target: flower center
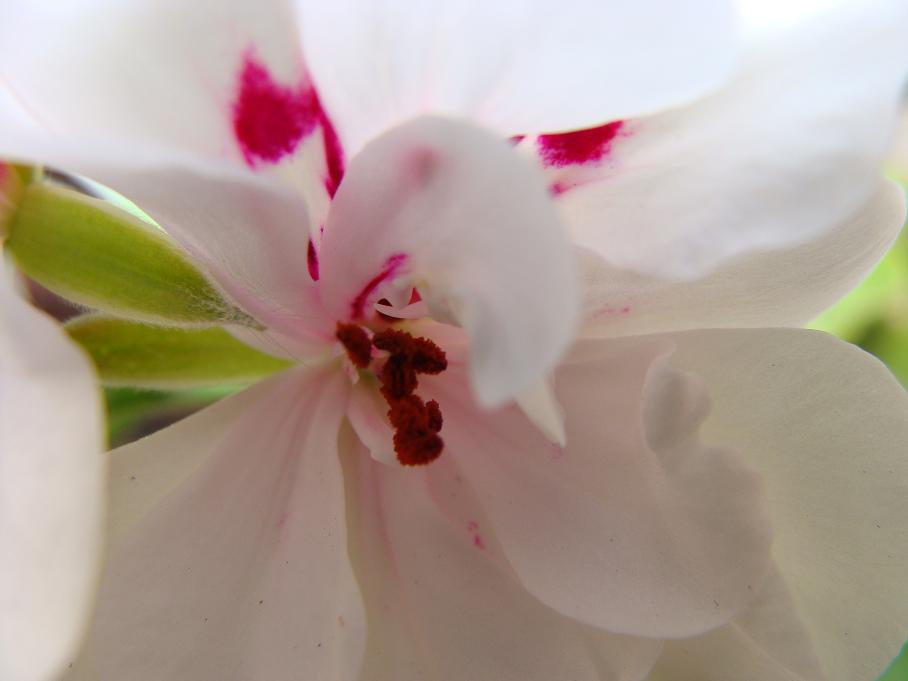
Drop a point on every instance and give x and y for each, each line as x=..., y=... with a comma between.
x=416, y=423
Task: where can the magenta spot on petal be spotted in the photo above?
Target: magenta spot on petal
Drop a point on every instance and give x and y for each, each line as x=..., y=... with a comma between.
x=516, y=139
x=558, y=188
x=312, y=261
x=473, y=529
x=578, y=147
x=388, y=270
x=421, y=165
x=269, y=119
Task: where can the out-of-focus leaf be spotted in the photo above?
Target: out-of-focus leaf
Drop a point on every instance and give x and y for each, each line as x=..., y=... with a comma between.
x=133, y=354
x=98, y=255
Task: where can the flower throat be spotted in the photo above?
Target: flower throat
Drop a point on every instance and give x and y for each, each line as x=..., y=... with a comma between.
x=416, y=423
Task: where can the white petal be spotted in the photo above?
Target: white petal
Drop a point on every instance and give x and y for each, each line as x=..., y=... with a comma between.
x=229, y=555
x=442, y=602
x=166, y=71
x=788, y=150
x=784, y=287
x=452, y=209
x=826, y=425
x=52, y=473
x=518, y=66
x=635, y=526
x=541, y=406
x=768, y=642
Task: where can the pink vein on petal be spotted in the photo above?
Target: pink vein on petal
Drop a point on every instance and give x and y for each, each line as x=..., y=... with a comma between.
x=578, y=147
x=389, y=269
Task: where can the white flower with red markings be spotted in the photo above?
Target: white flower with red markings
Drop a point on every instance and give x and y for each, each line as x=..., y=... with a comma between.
x=448, y=484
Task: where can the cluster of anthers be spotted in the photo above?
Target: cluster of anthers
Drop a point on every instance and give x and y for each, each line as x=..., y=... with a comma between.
x=416, y=423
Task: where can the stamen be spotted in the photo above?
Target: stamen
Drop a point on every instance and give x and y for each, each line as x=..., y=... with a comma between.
x=356, y=342
x=398, y=377
x=416, y=423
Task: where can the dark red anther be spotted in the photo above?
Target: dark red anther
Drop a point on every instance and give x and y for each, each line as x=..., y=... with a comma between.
x=398, y=377
x=416, y=427
x=433, y=413
x=393, y=341
x=428, y=358
x=423, y=355
x=356, y=342
x=416, y=423
x=407, y=412
x=417, y=449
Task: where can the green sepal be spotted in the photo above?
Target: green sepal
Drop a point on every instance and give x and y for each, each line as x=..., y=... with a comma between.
x=100, y=256
x=129, y=353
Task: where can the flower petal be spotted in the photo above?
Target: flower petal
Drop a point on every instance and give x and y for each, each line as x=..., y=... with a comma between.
x=216, y=84
x=788, y=150
x=635, y=526
x=52, y=474
x=826, y=425
x=768, y=641
x=180, y=85
x=784, y=287
x=454, y=211
x=229, y=555
x=515, y=67
x=443, y=604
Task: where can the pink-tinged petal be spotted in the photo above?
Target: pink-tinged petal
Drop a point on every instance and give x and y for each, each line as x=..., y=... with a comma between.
x=784, y=287
x=52, y=475
x=453, y=210
x=787, y=151
x=228, y=553
x=768, y=641
x=368, y=416
x=635, y=526
x=442, y=602
x=250, y=237
x=526, y=67
x=826, y=426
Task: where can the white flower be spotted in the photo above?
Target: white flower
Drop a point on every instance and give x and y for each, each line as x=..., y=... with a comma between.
x=52, y=477
x=258, y=539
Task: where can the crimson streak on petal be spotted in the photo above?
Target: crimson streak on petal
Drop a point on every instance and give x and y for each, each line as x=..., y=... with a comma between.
x=389, y=270
x=578, y=147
